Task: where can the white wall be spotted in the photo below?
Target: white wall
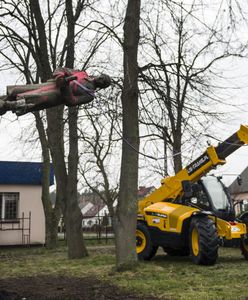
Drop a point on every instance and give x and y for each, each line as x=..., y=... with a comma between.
x=30, y=200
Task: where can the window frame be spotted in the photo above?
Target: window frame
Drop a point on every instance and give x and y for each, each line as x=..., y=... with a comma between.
x=3, y=207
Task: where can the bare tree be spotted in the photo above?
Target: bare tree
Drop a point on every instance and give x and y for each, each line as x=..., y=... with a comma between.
x=183, y=85
x=38, y=49
x=99, y=143
x=52, y=214
x=126, y=210
x=125, y=218
x=22, y=61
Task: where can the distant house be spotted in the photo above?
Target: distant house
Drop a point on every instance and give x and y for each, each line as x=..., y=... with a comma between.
x=239, y=192
x=22, y=219
x=94, y=209
x=145, y=191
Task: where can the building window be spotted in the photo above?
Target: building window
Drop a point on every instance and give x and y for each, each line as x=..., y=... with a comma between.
x=9, y=206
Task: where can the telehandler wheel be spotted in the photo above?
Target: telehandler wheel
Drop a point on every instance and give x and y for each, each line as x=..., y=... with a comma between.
x=144, y=247
x=244, y=240
x=203, y=240
x=244, y=247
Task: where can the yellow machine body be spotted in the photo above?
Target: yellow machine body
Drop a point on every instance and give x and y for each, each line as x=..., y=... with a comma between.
x=169, y=217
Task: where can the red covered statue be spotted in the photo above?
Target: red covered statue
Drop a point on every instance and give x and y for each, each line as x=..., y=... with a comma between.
x=69, y=87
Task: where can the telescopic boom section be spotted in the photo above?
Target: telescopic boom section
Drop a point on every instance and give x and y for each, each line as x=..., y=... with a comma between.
x=233, y=143
x=171, y=187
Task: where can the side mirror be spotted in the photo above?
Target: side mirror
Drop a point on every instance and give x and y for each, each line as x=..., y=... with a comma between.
x=187, y=188
x=193, y=200
x=239, y=180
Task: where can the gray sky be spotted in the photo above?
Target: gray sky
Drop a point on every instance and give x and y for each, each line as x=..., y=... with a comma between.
x=12, y=149
x=11, y=127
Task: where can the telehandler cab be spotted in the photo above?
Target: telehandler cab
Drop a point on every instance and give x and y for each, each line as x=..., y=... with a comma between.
x=190, y=212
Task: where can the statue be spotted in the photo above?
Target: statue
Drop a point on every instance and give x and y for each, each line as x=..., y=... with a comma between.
x=69, y=87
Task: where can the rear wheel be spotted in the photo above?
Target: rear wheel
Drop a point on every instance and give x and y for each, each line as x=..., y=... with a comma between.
x=144, y=247
x=244, y=247
x=244, y=240
x=203, y=241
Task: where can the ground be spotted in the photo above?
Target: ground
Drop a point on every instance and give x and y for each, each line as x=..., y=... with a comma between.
x=40, y=273
x=50, y=287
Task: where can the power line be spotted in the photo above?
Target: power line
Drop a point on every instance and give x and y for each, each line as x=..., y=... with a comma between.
x=100, y=107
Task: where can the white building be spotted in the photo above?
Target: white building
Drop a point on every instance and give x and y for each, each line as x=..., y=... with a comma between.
x=22, y=219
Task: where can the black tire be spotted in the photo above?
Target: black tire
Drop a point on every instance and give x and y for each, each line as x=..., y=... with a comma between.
x=244, y=247
x=176, y=252
x=203, y=241
x=244, y=240
x=244, y=218
x=144, y=247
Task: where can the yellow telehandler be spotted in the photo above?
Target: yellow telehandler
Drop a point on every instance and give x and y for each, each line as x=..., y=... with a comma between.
x=190, y=212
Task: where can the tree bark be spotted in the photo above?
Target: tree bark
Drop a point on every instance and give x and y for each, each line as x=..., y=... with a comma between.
x=177, y=156
x=76, y=246
x=66, y=182
x=125, y=218
x=165, y=154
x=73, y=216
x=52, y=215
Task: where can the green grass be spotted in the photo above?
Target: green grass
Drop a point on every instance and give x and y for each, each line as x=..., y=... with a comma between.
x=165, y=277
x=178, y=278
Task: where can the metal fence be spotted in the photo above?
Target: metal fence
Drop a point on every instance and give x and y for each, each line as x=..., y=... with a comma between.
x=94, y=228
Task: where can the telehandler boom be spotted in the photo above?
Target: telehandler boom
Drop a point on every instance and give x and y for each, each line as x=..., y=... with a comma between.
x=186, y=215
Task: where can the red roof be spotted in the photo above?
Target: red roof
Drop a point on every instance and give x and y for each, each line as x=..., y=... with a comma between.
x=94, y=199
x=144, y=191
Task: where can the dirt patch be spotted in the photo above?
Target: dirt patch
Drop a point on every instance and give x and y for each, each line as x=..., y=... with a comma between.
x=61, y=287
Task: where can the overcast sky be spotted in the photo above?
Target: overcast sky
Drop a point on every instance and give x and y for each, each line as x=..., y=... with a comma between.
x=12, y=127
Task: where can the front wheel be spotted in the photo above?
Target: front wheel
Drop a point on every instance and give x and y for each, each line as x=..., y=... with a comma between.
x=203, y=240
x=244, y=247
x=144, y=247
x=244, y=240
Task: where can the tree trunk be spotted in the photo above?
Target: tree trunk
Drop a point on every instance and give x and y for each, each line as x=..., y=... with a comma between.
x=73, y=220
x=52, y=221
x=73, y=216
x=52, y=215
x=54, y=133
x=177, y=156
x=125, y=219
x=165, y=154
x=40, y=41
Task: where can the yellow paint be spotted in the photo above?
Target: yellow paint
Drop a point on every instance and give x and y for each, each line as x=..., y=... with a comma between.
x=140, y=241
x=243, y=134
x=176, y=214
x=195, y=242
x=228, y=231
